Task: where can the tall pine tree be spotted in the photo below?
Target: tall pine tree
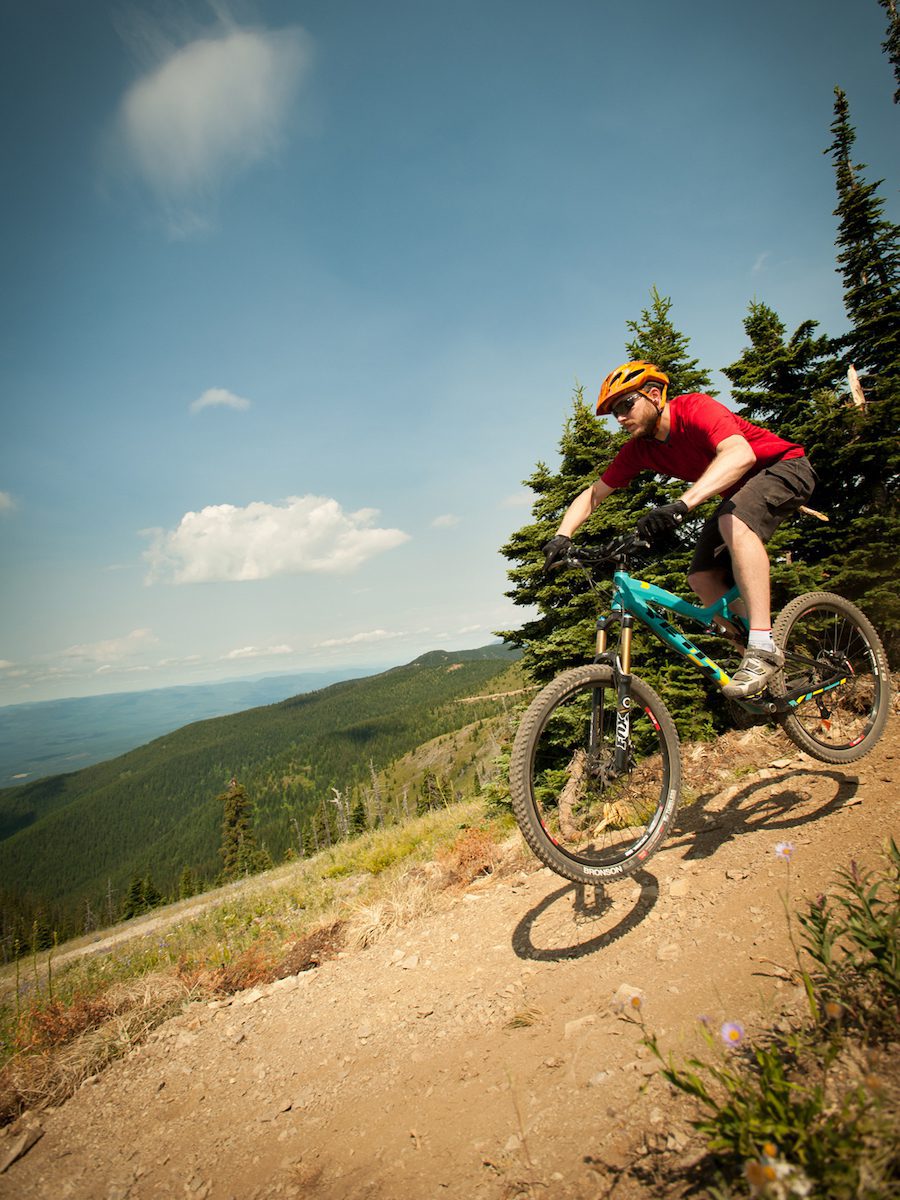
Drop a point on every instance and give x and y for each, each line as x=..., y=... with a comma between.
x=891, y=44
x=657, y=340
x=868, y=262
x=867, y=460
x=240, y=853
x=789, y=385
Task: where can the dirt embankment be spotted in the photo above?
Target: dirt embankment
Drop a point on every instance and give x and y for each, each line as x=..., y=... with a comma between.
x=475, y=1052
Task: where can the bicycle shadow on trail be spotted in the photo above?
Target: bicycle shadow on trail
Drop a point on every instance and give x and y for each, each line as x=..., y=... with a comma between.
x=593, y=908
x=774, y=805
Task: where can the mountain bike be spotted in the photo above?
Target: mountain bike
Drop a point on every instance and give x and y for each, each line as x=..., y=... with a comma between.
x=595, y=772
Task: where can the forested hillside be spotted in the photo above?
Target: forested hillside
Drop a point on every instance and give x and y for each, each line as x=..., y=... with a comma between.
x=71, y=844
x=54, y=736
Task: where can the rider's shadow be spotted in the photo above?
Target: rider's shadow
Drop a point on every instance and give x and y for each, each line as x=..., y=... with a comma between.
x=593, y=907
x=771, y=804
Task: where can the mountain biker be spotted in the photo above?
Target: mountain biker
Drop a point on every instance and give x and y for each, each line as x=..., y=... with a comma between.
x=761, y=478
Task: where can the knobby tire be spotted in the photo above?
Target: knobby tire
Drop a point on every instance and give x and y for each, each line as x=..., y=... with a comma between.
x=580, y=818
x=833, y=655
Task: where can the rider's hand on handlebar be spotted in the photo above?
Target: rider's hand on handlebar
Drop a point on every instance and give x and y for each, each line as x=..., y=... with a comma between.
x=660, y=521
x=555, y=550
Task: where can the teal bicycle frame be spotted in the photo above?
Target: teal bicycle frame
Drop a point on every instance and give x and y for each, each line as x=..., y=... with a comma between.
x=633, y=599
x=638, y=599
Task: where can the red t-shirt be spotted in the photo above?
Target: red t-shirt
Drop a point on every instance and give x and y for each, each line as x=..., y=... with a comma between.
x=698, y=424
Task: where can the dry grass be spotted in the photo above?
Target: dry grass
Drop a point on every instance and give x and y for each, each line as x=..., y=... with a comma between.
x=530, y=1015
x=48, y=1069
x=413, y=894
x=473, y=854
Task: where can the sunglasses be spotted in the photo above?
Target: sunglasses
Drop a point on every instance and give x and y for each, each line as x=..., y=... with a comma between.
x=621, y=407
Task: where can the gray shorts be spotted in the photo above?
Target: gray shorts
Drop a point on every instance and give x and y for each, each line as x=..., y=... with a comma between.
x=764, y=501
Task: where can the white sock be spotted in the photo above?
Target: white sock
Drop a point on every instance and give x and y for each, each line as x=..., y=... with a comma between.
x=760, y=639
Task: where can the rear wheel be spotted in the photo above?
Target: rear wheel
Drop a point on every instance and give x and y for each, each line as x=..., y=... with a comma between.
x=836, y=675
x=583, y=818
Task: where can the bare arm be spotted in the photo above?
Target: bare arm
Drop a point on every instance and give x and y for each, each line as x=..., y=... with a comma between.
x=734, y=458
x=582, y=507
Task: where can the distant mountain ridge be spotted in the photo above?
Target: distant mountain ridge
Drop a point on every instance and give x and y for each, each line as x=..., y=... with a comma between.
x=68, y=842
x=47, y=737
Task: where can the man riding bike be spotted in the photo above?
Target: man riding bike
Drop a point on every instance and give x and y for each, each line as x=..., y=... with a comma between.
x=761, y=477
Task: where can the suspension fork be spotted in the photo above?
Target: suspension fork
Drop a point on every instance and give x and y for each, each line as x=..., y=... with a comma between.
x=621, y=665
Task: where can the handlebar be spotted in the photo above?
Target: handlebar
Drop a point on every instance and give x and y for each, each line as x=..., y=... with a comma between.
x=616, y=553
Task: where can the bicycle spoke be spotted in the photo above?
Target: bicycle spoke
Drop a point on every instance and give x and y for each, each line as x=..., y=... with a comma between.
x=585, y=805
x=834, y=672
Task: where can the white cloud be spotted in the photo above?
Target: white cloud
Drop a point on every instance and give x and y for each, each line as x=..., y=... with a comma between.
x=6, y=665
x=760, y=263
x=256, y=652
x=219, y=398
x=517, y=500
x=109, y=669
x=210, y=109
x=112, y=650
x=223, y=543
x=447, y=521
x=372, y=635
x=7, y=503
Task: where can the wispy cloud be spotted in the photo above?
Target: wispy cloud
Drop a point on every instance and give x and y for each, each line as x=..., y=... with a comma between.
x=113, y=650
x=371, y=635
x=517, y=500
x=219, y=398
x=256, y=652
x=7, y=503
x=208, y=110
x=760, y=263
x=447, y=521
x=224, y=543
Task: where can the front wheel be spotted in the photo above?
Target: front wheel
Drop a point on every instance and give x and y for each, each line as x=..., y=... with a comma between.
x=835, y=677
x=587, y=816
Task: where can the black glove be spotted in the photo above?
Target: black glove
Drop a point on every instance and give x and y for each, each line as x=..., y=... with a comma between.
x=660, y=521
x=557, y=548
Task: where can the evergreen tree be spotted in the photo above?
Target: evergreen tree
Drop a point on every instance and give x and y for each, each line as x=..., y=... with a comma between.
x=868, y=262
x=656, y=340
x=133, y=904
x=240, y=853
x=41, y=933
x=788, y=384
x=891, y=44
x=776, y=377
x=866, y=466
x=562, y=633
x=151, y=896
x=358, y=817
x=436, y=793
x=187, y=884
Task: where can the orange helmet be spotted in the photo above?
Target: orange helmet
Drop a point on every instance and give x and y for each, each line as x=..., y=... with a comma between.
x=631, y=377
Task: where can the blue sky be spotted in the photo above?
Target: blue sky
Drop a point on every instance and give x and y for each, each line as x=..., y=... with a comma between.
x=297, y=293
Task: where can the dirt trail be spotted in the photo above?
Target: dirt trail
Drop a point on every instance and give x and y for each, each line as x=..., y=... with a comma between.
x=476, y=1052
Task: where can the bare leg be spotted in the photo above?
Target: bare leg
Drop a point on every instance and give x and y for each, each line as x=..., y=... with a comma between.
x=710, y=586
x=750, y=564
